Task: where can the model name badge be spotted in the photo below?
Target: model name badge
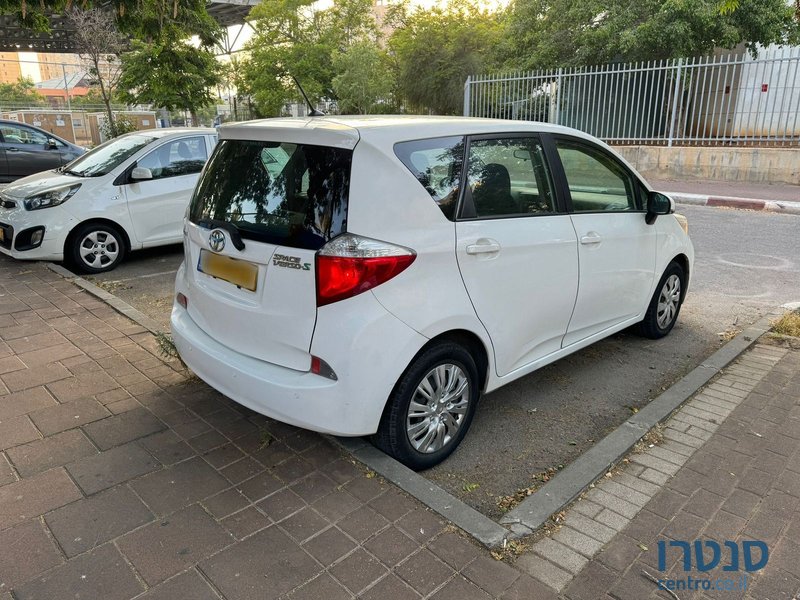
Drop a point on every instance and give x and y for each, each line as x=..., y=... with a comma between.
x=290, y=262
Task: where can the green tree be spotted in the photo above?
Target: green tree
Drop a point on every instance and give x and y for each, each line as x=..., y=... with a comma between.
x=295, y=38
x=142, y=19
x=93, y=99
x=435, y=50
x=363, y=77
x=549, y=33
x=23, y=92
x=170, y=73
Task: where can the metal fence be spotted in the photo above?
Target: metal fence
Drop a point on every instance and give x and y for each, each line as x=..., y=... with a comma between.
x=716, y=100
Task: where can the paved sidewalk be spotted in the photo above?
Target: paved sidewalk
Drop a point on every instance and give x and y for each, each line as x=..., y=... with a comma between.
x=727, y=471
x=120, y=478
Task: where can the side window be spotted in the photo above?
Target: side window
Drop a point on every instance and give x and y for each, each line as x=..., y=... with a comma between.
x=436, y=163
x=509, y=177
x=597, y=183
x=178, y=157
x=15, y=134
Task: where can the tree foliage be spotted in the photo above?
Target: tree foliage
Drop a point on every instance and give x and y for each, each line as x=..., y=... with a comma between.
x=170, y=73
x=23, y=92
x=295, y=38
x=363, y=79
x=549, y=33
x=436, y=49
x=141, y=19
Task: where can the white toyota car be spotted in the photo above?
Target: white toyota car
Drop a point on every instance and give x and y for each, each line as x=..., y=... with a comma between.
x=129, y=193
x=372, y=276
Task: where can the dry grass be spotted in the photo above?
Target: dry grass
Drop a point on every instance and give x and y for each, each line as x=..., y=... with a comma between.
x=788, y=324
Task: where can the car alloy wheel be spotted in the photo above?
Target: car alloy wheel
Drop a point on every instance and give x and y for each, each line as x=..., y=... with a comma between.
x=668, y=301
x=438, y=408
x=99, y=249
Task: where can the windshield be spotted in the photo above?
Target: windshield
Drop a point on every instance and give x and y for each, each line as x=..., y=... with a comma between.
x=106, y=157
x=281, y=193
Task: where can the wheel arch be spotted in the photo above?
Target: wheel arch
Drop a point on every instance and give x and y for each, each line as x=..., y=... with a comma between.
x=474, y=345
x=100, y=221
x=683, y=261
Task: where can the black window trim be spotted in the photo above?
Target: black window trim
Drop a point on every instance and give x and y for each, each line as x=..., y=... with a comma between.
x=465, y=194
x=560, y=176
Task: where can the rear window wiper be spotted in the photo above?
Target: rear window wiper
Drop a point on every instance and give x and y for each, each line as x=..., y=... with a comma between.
x=232, y=230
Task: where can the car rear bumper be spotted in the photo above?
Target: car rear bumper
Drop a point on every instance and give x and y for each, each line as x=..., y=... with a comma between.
x=349, y=406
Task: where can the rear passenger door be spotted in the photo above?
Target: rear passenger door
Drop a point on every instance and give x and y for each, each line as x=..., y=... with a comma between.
x=516, y=249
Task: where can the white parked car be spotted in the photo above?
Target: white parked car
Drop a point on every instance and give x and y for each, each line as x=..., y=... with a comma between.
x=129, y=193
x=372, y=276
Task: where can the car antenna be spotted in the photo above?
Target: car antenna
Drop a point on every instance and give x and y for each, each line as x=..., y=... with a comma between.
x=312, y=112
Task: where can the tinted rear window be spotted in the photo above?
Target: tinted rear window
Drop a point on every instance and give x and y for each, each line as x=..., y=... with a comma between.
x=436, y=163
x=280, y=193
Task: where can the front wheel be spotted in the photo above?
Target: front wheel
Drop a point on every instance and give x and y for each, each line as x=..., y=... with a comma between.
x=96, y=248
x=431, y=407
x=666, y=303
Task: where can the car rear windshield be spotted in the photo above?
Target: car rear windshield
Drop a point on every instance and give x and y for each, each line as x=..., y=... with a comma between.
x=280, y=193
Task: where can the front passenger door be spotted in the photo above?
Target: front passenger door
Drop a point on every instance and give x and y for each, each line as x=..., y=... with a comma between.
x=617, y=248
x=157, y=205
x=516, y=249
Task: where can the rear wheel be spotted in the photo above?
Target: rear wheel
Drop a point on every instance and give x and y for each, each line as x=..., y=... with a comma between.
x=666, y=303
x=96, y=247
x=431, y=407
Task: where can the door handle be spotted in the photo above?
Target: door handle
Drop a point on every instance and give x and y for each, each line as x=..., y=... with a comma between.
x=12, y=149
x=591, y=238
x=483, y=246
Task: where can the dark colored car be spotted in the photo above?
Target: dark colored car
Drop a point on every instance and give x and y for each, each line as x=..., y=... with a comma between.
x=25, y=150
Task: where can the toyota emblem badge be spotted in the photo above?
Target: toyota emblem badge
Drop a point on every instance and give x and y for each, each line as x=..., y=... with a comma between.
x=216, y=241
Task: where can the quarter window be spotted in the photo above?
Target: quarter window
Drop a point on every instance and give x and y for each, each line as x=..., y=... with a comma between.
x=178, y=157
x=597, y=183
x=436, y=163
x=508, y=177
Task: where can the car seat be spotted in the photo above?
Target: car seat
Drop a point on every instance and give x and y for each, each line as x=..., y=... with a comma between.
x=492, y=194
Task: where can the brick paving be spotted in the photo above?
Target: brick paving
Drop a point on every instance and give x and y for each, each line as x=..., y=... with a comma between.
x=728, y=469
x=121, y=477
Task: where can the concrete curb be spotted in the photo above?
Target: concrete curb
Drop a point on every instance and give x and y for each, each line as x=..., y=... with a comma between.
x=778, y=206
x=476, y=524
x=117, y=304
x=535, y=510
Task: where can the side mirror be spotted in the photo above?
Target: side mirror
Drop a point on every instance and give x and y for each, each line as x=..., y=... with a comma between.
x=51, y=144
x=141, y=174
x=658, y=204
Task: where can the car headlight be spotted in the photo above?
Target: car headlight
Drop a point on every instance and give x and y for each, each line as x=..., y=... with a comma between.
x=51, y=197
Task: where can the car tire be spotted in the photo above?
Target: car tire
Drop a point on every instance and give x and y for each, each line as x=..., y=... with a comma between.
x=666, y=303
x=441, y=408
x=95, y=247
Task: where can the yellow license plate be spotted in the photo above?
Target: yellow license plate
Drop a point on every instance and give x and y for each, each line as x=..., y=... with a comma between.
x=2, y=234
x=240, y=273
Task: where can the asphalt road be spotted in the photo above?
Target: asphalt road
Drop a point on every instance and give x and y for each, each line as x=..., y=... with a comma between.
x=746, y=264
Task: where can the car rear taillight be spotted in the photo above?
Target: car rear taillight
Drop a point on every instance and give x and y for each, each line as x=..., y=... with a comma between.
x=351, y=264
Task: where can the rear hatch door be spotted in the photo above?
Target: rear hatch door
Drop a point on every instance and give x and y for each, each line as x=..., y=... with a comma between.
x=260, y=212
